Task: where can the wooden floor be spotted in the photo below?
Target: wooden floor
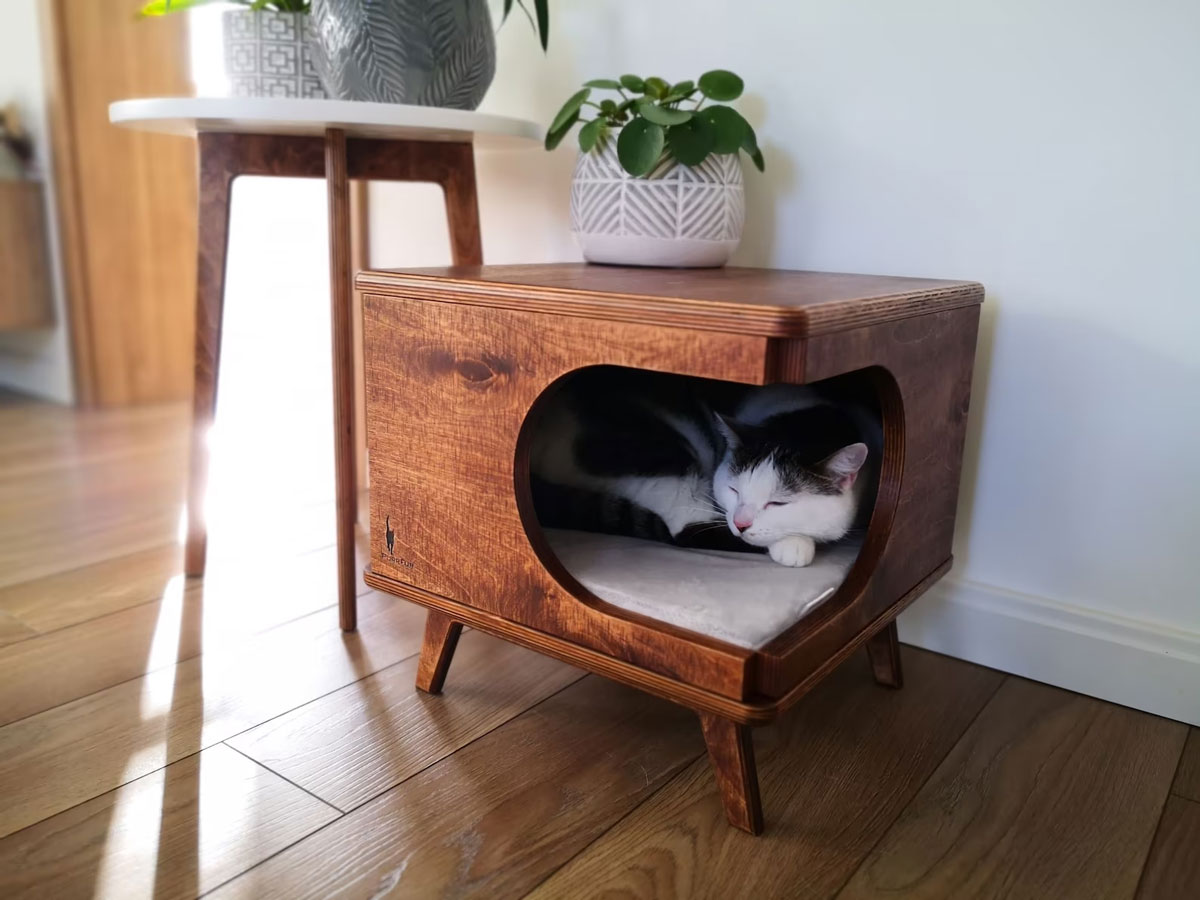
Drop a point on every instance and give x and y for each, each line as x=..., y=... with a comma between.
x=169, y=738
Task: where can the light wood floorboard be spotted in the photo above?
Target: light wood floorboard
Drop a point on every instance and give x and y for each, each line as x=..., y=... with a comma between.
x=1049, y=794
x=227, y=605
x=499, y=815
x=53, y=760
x=356, y=743
x=1187, y=779
x=12, y=630
x=89, y=592
x=173, y=833
x=1173, y=870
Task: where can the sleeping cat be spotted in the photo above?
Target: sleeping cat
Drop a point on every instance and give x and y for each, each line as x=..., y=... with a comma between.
x=704, y=464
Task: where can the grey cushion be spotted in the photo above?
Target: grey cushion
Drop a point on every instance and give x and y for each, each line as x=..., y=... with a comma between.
x=744, y=599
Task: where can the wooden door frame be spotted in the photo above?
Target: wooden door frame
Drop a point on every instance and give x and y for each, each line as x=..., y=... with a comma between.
x=69, y=224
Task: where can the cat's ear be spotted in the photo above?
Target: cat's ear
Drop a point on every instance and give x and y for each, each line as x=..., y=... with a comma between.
x=844, y=465
x=729, y=429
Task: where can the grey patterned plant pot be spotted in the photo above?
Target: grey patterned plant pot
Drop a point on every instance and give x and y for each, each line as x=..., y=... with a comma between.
x=425, y=52
x=686, y=216
x=267, y=55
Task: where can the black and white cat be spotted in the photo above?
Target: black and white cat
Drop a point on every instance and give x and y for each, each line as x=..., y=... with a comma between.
x=705, y=464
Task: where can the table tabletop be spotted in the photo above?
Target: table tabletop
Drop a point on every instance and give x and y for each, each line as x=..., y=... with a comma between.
x=292, y=116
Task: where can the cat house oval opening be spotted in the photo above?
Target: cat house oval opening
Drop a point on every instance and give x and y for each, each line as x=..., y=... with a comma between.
x=729, y=510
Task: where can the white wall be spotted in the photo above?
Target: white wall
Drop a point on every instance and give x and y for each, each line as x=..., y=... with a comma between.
x=1049, y=148
x=36, y=362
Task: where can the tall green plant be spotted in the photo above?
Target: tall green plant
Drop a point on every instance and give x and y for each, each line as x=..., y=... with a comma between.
x=542, y=26
x=162, y=7
x=653, y=119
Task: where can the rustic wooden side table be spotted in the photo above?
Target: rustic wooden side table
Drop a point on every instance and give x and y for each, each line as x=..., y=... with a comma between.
x=458, y=362
x=299, y=138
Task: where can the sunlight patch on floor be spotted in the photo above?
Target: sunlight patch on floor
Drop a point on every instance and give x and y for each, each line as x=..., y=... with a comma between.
x=133, y=832
x=164, y=649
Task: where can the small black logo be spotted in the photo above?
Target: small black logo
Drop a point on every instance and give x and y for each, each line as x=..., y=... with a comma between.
x=389, y=535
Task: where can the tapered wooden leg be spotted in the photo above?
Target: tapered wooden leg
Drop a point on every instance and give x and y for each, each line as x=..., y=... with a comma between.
x=217, y=172
x=731, y=752
x=462, y=207
x=884, y=651
x=338, y=186
x=437, y=651
x=360, y=259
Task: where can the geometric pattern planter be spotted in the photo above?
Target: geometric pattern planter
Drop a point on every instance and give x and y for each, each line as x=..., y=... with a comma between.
x=267, y=55
x=675, y=216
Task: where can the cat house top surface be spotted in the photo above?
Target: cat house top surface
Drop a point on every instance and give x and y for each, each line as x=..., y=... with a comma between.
x=765, y=302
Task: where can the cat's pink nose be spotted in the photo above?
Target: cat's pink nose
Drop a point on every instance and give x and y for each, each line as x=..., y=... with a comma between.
x=741, y=523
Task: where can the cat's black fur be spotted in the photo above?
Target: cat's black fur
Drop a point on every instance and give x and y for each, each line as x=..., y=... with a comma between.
x=623, y=432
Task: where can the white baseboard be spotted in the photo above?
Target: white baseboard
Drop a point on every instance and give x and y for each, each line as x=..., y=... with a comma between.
x=1134, y=663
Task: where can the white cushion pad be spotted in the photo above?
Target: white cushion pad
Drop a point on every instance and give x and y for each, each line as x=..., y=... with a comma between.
x=742, y=598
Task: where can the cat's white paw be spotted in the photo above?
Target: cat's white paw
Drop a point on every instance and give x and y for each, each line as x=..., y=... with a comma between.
x=795, y=550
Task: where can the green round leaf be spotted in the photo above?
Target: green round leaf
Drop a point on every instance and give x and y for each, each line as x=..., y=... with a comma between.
x=571, y=107
x=661, y=115
x=692, y=141
x=589, y=134
x=554, y=138
x=721, y=85
x=750, y=145
x=607, y=83
x=728, y=125
x=633, y=83
x=608, y=106
x=640, y=145
x=656, y=87
x=683, y=88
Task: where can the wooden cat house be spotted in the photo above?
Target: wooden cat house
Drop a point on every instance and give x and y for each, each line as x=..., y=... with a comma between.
x=459, y=363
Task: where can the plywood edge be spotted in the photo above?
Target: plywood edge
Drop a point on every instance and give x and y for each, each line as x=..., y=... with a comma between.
x=647, y=309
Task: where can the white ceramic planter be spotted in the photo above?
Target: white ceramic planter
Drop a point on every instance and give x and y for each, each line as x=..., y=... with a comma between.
x=267, y=55
x=678, y=215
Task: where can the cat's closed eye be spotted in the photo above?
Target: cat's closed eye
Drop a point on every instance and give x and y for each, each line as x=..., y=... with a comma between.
x=777, y=503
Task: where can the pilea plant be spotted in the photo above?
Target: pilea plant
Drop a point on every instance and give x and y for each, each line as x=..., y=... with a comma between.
x=654, y=116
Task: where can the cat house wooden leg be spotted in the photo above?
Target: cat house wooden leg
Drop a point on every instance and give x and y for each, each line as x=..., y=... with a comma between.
x=884, y=650
x=437, y=650
x=731, y=752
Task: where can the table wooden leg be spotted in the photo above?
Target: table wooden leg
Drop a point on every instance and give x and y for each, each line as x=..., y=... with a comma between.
x=462, y=207
x=217, y=171
x=338, y=186
x=360, y=259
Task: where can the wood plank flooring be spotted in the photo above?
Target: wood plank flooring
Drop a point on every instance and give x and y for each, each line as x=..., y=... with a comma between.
x=173, y=738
